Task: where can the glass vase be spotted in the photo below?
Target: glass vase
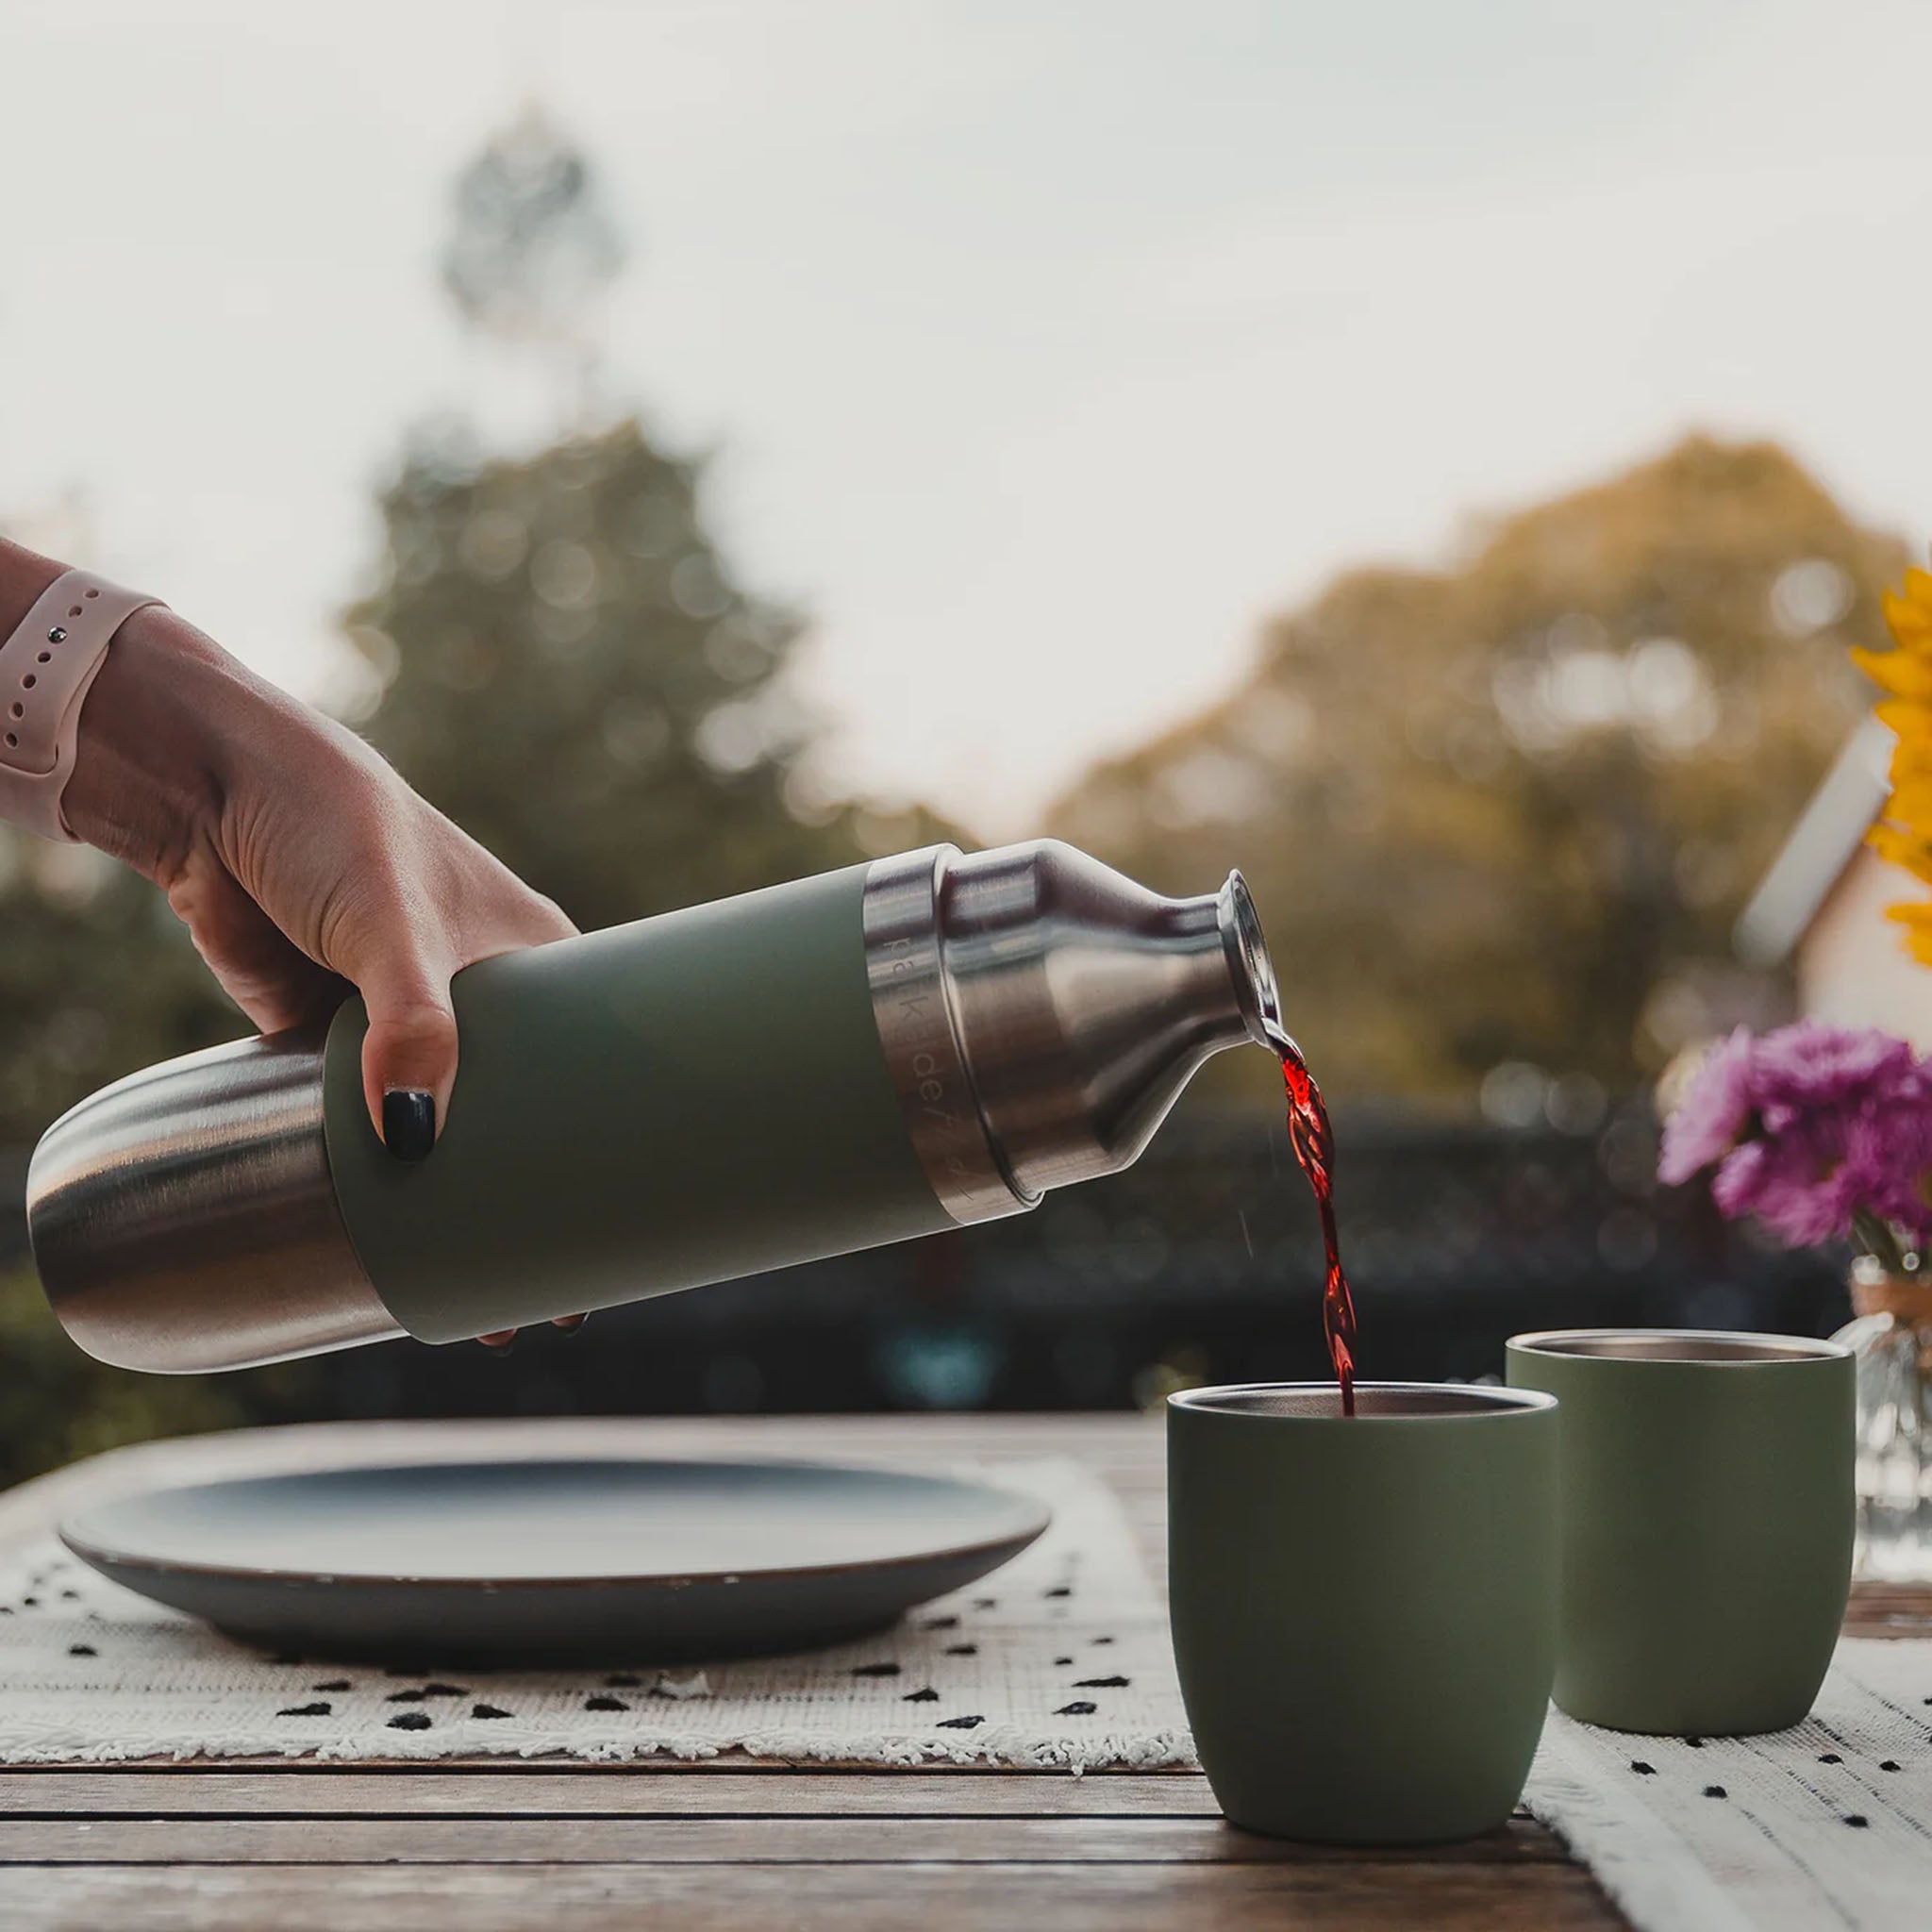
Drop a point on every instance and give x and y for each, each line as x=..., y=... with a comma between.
x=1891, y=1335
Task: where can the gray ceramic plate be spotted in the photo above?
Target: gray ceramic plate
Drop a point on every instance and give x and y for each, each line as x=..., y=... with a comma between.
x=554, y=1562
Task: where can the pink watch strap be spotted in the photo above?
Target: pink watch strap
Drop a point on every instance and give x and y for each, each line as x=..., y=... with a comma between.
x=45, y=669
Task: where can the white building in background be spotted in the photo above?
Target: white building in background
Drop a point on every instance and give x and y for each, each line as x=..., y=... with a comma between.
x=1821, y=906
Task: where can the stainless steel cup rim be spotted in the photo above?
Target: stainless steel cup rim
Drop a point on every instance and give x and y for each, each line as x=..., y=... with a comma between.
x=1706, y=1348
x=1321, y=1402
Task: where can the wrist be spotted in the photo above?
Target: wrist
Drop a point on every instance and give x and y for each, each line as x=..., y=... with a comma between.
x=152, y=765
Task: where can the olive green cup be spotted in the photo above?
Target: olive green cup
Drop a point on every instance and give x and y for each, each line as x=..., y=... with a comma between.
x=1707, y=1523
x=1364, y=1609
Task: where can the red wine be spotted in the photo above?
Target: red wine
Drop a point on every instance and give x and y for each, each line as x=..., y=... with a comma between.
x=1313, y=1141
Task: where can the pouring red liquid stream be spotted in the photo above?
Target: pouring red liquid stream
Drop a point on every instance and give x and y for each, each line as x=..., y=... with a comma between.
x=1313, y=1141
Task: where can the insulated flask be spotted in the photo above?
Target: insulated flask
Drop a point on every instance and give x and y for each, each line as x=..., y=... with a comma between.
x=886, y=1051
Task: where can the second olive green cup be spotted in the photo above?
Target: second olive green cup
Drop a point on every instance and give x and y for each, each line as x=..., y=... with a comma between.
x=1706, y=1494
x=1363, y=1607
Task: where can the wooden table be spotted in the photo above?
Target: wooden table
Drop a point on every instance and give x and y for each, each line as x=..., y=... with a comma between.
x=737, y=1843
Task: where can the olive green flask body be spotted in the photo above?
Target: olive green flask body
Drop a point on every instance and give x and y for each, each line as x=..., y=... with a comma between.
x=685, y=1100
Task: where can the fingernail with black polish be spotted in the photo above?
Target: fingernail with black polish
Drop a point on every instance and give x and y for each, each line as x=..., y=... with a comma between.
x=409, y=1122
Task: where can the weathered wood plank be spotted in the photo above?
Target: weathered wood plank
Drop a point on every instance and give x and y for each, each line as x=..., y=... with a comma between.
x=1890, y=1609
x=420, y=1793
x=690, y=1840
x=1362, y=1897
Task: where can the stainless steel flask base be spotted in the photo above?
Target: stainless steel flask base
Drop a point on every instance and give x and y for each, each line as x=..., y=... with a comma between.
x=1037, y=1014
x=184, y=1219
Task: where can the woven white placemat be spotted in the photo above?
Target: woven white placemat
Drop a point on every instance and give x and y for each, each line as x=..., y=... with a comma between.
x=1825, y=1826
x=1059, y=1659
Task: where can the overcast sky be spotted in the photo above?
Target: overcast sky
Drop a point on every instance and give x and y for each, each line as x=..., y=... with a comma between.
x=1045, y=345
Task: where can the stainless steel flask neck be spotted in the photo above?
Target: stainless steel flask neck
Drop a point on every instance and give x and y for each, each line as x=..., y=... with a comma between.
x=1041, y=1013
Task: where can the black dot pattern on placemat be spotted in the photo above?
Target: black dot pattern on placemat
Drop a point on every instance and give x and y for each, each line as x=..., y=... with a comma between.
x=1103, y=1640
x=409, y=1721
x=1889, y=1764
x=1063, y=1659
x=487, y=1710
x=1715, y=1792
x=1694, y=1743
x=306, y=1710
x=879, y=1670
x=1081, y=1707
x=605, y=1704
x=1642, y=1769
x=625, y=1680
x=960, y=1724
x=333, y=1684
x=82, y=1650
x=1857, y=1820
x=1101, y=1683
x=963, y=1650
x=1060, y=1589
x=952, y=1623
x=927, y=1696
x=1829, y=1758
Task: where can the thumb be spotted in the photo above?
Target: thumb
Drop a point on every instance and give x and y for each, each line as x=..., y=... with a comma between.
x=409, y=1054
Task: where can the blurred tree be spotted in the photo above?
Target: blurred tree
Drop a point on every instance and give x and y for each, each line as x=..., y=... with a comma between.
x=1508, y=812
x=567, y=666
x=572, y=673
x=532, y=250
x=567, y=669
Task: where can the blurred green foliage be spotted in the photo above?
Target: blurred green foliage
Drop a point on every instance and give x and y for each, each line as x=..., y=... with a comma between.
x=1510, y=810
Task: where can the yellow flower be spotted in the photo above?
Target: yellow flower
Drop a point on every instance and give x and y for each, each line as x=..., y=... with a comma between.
x=1906, y=674
x=1903, y=831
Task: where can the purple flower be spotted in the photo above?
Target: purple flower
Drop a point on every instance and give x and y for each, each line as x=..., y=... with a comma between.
x=1793, y=1184
x=1714, y=1112
x=1887, y=1165
x=1800, y=1068
x=1808, y=1128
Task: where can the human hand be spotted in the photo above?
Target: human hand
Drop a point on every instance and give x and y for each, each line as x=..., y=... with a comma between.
x=299, y=860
